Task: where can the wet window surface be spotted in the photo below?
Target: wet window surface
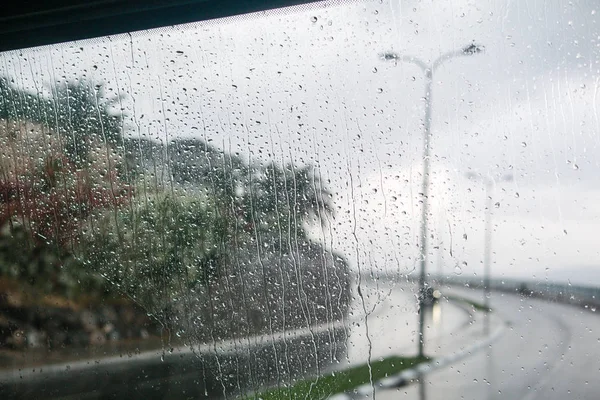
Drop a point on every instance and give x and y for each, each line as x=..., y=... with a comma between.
x=370, y=199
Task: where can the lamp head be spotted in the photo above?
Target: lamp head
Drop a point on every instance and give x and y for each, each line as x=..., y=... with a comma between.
x=388, y=56
x=473, y=49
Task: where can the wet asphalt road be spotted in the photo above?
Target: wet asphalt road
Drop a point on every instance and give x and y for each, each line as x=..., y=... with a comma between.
x=216, y=370
x=392, y=321
x=545, y=351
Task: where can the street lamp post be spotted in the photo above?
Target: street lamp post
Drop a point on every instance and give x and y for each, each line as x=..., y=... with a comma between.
x=487, y=246
x=428, y=71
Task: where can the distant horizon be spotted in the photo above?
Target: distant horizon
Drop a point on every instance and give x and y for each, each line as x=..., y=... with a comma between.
x=557, y=276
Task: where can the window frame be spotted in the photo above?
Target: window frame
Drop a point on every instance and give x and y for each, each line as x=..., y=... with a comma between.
x=31, y=24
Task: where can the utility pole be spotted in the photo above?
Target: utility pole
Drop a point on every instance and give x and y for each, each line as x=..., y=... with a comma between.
x=487, y=245
x=428, y=71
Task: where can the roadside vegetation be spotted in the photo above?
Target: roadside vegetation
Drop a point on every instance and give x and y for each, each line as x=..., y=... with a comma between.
x=475, y=305
x=195, y=241
x=341, y=381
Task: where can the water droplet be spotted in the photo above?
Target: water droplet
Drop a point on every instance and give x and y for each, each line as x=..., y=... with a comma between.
x=313, y=19
x=458, y=270
x=374, y=70
x=517, y=195
x=524, y=144
x=497, y=205
x=379, y=90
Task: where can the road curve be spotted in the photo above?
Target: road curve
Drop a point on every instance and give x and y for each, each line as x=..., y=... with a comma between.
x=548, y=351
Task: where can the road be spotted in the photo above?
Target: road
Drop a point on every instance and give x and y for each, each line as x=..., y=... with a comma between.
x=542, y=350
x=382, y=322
x=392, y=321
x=221, y=369
x=546, y=351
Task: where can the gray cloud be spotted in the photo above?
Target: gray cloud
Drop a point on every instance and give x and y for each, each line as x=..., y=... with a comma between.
x=309, y=85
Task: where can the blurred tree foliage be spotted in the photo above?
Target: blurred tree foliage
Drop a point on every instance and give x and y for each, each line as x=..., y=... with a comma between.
x=79, y=112
x=86, y=209
x=50, y=186
x=269, y=199
x=159, y=247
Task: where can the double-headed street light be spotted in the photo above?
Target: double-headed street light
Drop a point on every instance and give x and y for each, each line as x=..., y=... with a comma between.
x=428, y=70
x=487, y=249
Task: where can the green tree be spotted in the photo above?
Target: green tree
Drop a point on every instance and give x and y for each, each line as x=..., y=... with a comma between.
x=164, y=249
x=78, y=111
x=295, y=196
x=50, y=189
x=84, y=116
x=250, y=194
x=193, y=222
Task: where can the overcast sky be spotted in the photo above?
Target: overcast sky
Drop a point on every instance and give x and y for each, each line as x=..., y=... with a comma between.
x=308, y=85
